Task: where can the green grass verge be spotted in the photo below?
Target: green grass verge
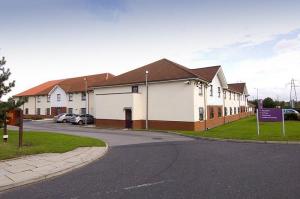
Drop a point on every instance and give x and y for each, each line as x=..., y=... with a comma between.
x=43, y=142
x=245, y=129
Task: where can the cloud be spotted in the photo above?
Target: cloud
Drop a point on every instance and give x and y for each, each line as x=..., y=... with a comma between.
x=288, y=45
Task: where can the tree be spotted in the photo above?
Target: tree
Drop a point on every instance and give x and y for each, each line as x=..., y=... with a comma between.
x=5, y=88
x=269, y=103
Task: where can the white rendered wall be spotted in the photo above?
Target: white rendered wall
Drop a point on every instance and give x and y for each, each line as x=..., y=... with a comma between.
x=43, y=104
x=63, y=98
x=215, y=100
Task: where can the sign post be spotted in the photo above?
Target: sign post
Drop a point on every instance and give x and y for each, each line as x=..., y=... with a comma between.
x=283, y=124
x=257, y=121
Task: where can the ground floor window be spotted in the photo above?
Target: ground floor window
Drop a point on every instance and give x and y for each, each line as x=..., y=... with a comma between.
x=47, y=111
x=211, y=113
x=83, y=111
x=234, y=110
x=201, y=113
x=38, y=111
x=219, y=112
x=26, y=111
x=225, y=111
x=70, y=110
x=230, y=110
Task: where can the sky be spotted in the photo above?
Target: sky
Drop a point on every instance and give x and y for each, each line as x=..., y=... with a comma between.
x=257, y=42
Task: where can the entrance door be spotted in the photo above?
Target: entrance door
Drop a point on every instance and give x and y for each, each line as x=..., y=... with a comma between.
x=128, y=118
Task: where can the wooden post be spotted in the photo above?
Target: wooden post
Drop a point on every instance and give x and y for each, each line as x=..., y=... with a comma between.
x=20, y=128
x=5, y=135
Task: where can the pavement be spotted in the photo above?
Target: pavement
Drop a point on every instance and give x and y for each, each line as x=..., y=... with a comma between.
x=175, y=169
x=33, y=168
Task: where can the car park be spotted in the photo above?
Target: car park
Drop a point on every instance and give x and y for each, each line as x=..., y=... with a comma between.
x=82, y=119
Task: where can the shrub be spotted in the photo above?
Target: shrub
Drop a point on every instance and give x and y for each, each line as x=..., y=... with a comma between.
x=291, y=116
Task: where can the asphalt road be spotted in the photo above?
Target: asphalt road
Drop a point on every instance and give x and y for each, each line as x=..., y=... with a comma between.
x=180, y=169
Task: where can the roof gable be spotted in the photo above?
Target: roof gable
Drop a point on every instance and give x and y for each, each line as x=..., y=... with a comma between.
x=238, y=87
x=206, y=73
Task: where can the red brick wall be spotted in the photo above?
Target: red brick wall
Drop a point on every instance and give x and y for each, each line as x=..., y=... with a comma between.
x=216, y=120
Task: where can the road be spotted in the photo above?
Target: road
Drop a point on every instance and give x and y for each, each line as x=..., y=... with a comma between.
x=178, y=169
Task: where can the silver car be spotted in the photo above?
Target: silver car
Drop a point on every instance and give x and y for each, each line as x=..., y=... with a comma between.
x=63, y=117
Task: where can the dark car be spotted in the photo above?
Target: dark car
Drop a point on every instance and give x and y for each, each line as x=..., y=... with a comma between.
x=83, y=119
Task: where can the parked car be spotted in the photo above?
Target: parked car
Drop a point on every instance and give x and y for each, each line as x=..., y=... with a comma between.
x=82, y=119
x=287, y=111
x=63, y=117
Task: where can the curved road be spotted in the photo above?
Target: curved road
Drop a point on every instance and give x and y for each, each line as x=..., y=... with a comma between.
x=176, y=167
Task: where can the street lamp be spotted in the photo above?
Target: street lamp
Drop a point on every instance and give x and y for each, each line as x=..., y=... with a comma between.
x=146, y=77
x=86, y=98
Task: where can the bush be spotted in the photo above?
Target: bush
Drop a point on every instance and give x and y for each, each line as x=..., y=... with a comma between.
x=291, y=116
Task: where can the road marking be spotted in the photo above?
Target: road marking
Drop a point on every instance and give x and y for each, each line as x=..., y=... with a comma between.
x=144, y=185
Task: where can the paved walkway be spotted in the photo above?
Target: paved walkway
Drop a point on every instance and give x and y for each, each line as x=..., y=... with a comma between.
x=33, y=168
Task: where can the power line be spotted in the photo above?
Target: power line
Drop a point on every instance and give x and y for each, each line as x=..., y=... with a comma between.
x=293, y=94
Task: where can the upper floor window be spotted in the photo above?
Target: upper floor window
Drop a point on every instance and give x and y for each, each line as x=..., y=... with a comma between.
x=58, y=97
x=233, y=96
x=48, y=98
x=135, y=89
x=211, y=90
x=70, y=96
x=38, y=99
x=219, y=92
x=83, y=96
x=200, y=89
x=224, y=94
x=230, y=95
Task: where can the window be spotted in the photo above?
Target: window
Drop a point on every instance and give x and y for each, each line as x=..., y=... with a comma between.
x=201, y=113
x=211, y=113
x=70, y=110
x=238, y=96
x=200, y=89
x=230, y=95
x=70, y=97
x=234, y=110
x=211, y=90
x=48, y=98
x=238, y=109
x=83, y=111
x=58, y=97
x=38, y=99
x=233, y=96
x=47, y=111
x=83, y=96
x=219, y=112
x=135, y=89
x=38, y=111
x=230, y=110
x=219, y=92
x=26, y=111
x=224, y=94
x=225, y=111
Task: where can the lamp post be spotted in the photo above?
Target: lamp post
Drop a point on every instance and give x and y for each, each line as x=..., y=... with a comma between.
x=86, y=98
x=146, y=77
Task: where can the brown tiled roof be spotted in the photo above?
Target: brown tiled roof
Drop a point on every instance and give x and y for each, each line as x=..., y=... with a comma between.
x=76, y=84
x=161, y=70
x=237, y=87
x=207, y=73
x=42, y=88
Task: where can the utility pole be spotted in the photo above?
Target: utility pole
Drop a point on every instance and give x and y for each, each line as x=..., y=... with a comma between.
x=293, y=94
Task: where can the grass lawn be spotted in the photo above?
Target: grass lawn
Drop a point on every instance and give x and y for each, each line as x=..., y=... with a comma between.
x=245, y=129
x=43, y=142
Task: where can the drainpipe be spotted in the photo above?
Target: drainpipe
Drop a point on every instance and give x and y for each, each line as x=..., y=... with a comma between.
x=205, y=107
x=239, y=106
x=224, y=106
x=35, y=105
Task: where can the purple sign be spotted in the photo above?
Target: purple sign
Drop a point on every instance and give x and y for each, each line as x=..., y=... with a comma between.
x=269, y=114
